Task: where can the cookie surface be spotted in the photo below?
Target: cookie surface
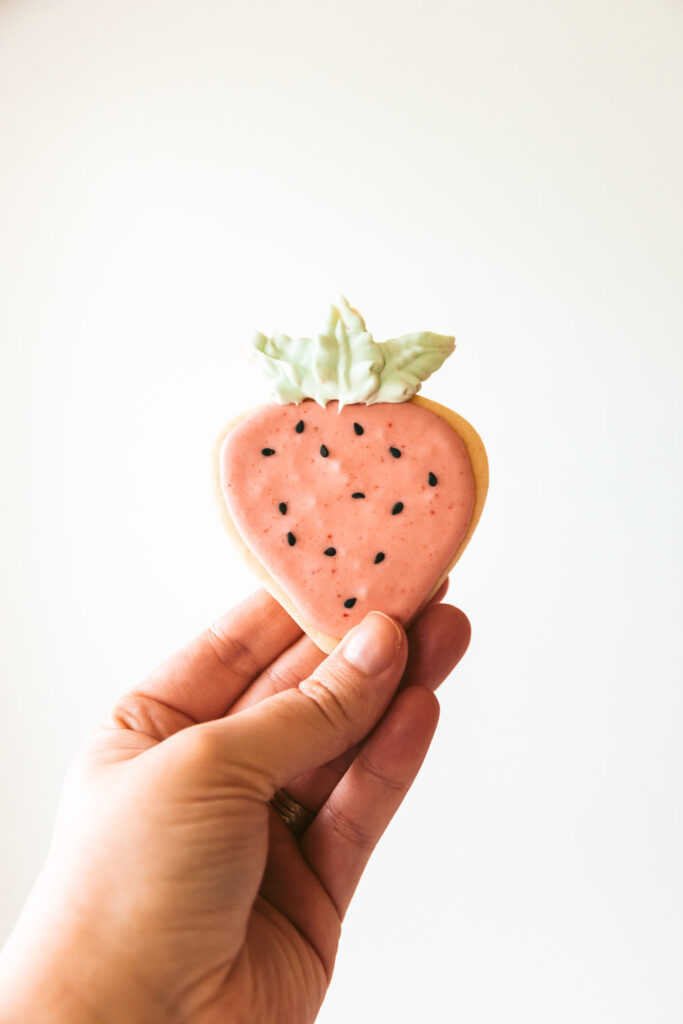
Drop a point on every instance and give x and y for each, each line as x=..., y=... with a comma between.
x=353, y=510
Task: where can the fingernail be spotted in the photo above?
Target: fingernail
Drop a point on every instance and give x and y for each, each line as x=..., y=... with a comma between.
x=373, y=645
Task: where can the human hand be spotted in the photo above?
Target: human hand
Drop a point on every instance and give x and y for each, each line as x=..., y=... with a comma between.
x=172, y=891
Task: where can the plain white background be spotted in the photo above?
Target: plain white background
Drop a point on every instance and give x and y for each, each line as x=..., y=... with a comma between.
x=175, y=174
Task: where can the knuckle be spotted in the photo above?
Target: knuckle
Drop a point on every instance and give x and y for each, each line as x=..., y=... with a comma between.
x=349, y=830
x=134, y=713
x=381, y=774
x=282, y=678
x=336, y=710
x=232, y=652
x=204, y=755
x=200, y=747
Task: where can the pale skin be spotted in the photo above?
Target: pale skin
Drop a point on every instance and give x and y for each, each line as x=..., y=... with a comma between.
x=173, y=892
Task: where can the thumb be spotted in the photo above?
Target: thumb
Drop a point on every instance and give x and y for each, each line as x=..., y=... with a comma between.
x=299, y=729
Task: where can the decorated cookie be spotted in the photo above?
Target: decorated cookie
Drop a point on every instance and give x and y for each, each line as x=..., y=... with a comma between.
x=348, y=493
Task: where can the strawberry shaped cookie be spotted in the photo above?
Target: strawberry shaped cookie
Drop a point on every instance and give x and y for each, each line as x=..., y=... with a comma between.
x=351, y=494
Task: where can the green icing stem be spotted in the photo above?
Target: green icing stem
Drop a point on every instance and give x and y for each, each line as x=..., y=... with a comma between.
x=345, y=364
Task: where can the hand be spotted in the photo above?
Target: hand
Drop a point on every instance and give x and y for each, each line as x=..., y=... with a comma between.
x=172, y=891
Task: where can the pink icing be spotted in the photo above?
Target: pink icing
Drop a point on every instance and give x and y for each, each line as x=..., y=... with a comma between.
x=418, y=542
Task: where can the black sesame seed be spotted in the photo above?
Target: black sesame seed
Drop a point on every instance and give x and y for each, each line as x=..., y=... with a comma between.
x=299, y=427
x=349, y=602
x=395, y=452
x=432, y=480
x=291, y=539
x=398, y=507
x=379, y=557
x=330, y=551
x=357, y=494
x=267, y=451
x=323, y=451
x=283, y=508
x=357, y=427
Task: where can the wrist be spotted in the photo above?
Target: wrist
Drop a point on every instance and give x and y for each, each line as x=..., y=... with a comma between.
x=52, y=973
x=41, y=994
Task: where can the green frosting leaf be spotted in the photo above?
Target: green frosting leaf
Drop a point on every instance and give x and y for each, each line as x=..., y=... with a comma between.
x=344, y=363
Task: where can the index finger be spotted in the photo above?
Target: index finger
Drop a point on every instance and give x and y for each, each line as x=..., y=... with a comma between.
x=203, y=679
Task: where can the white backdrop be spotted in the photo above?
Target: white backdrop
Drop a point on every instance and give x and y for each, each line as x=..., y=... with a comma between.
x=175, y=174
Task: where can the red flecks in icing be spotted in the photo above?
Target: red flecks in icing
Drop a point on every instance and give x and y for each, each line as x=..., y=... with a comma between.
x=318, y=495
